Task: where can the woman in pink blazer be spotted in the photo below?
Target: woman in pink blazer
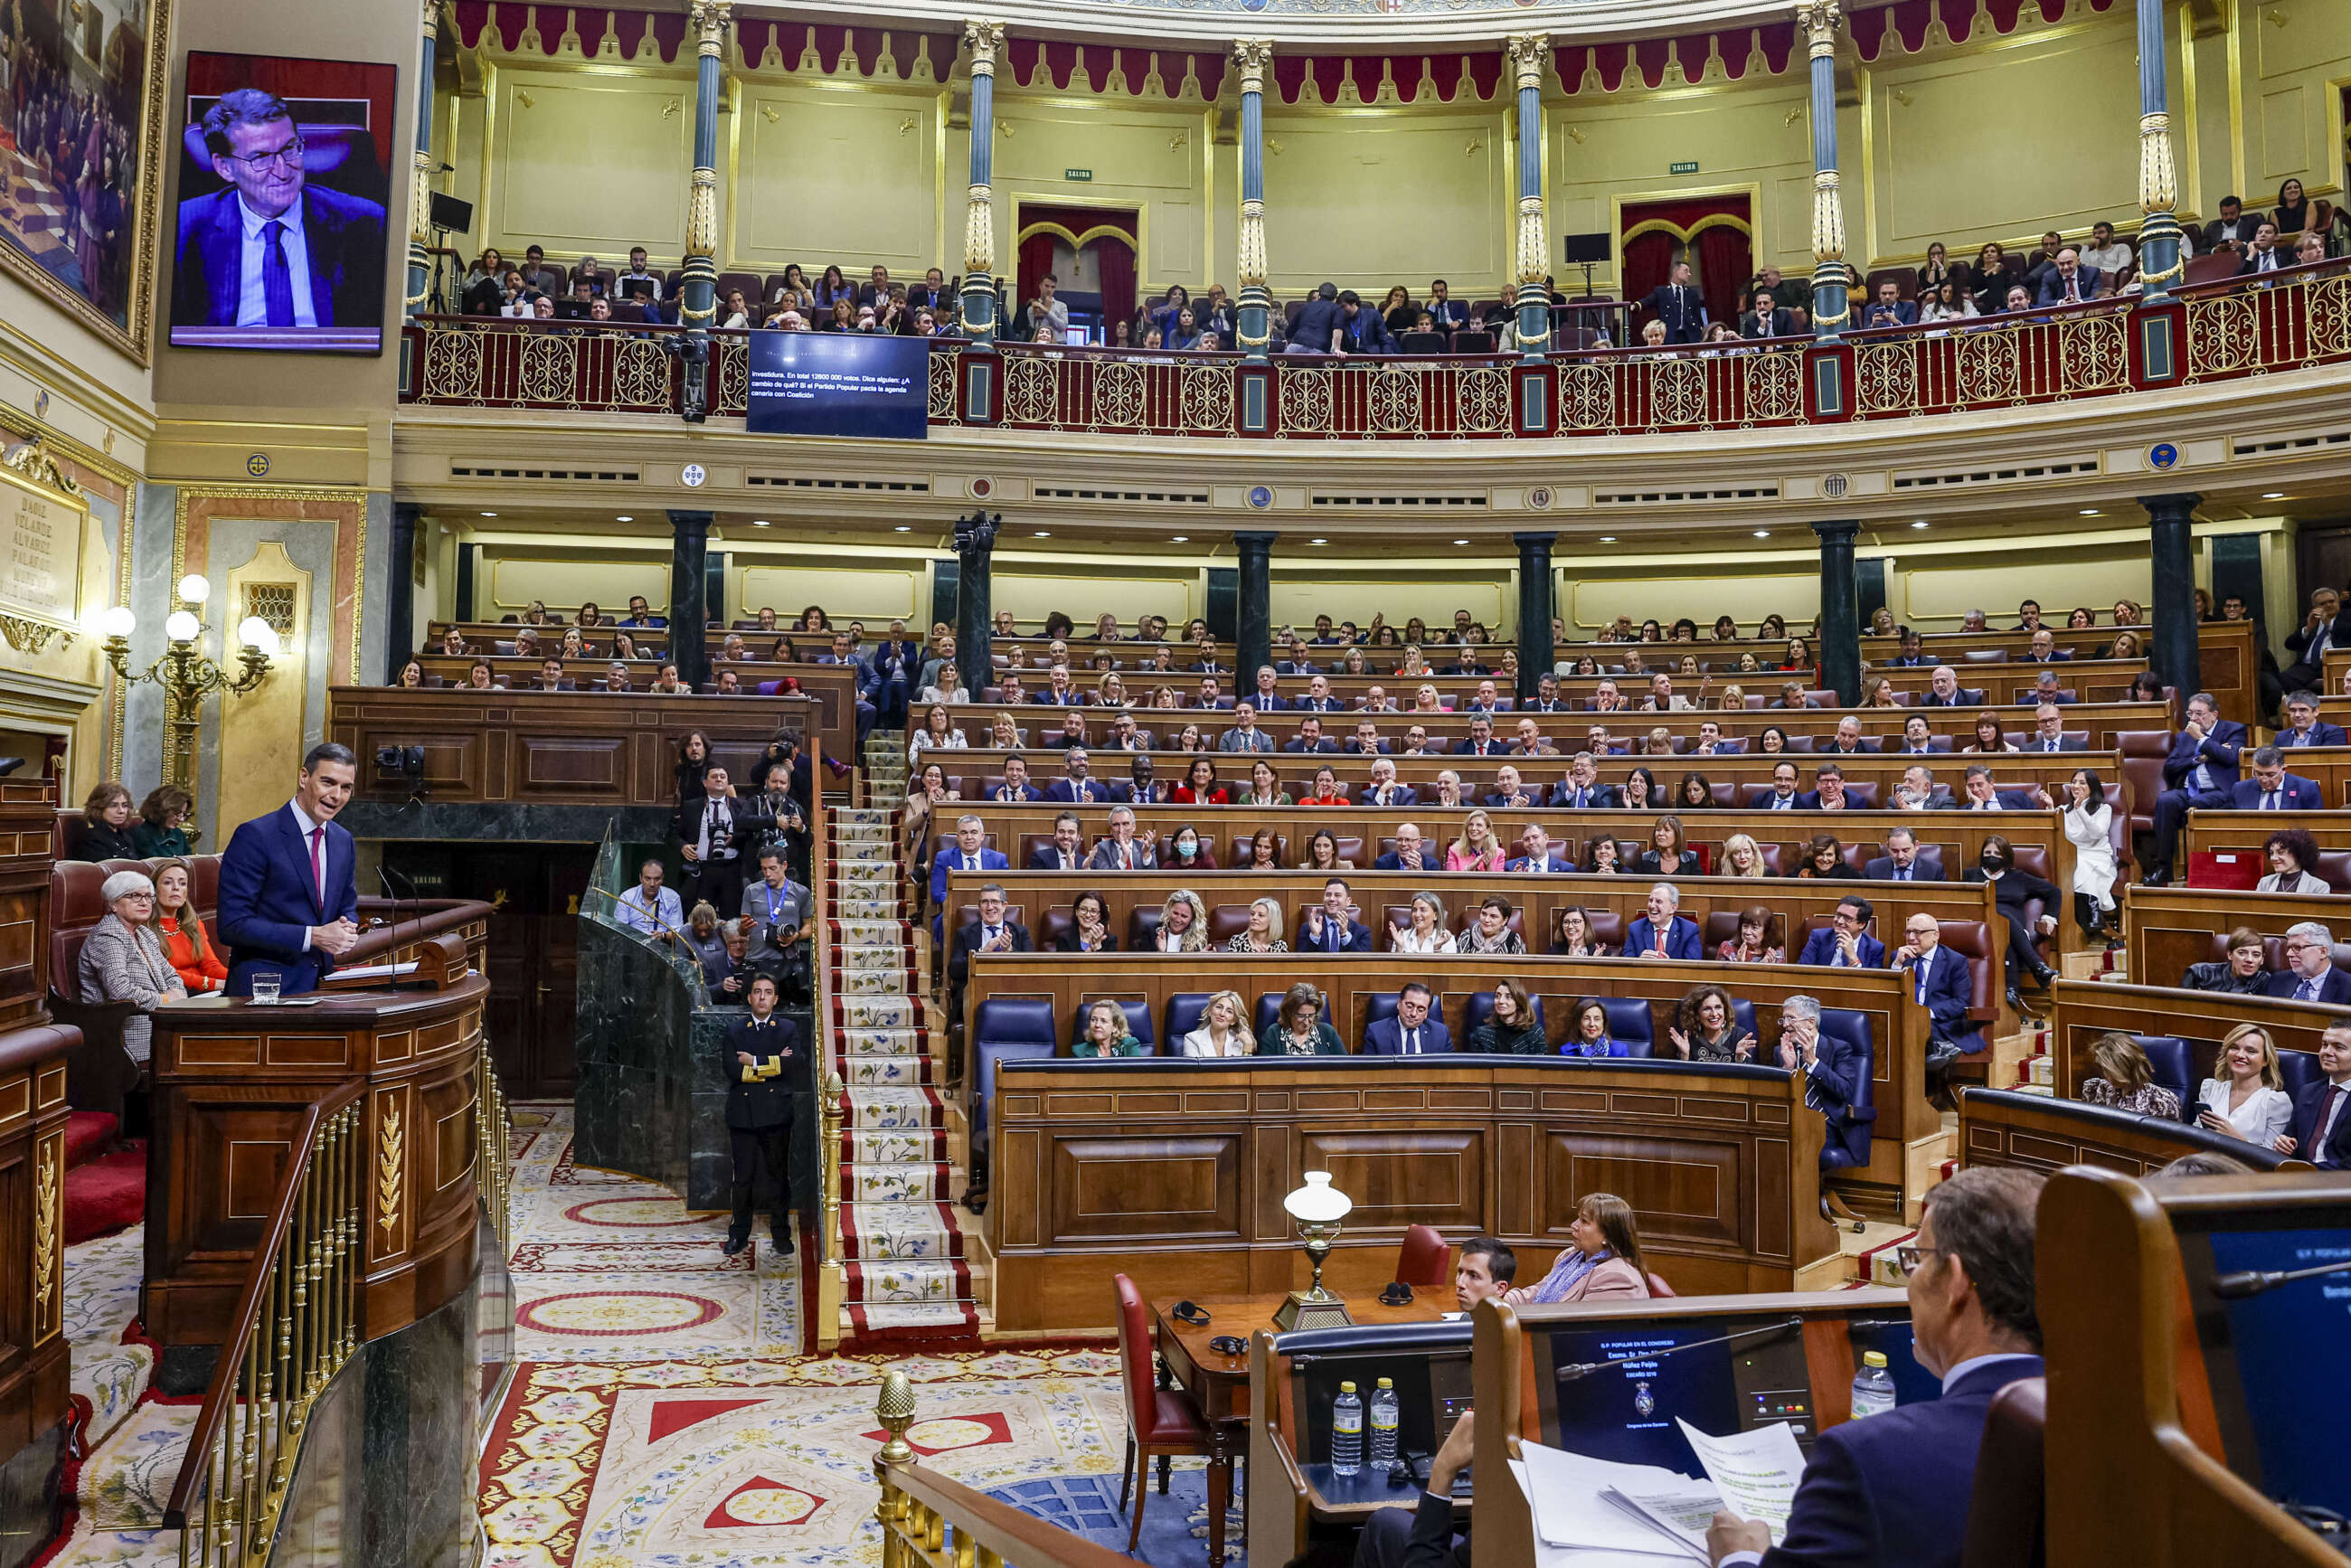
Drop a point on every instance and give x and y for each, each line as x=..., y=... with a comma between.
x=1605, y=1260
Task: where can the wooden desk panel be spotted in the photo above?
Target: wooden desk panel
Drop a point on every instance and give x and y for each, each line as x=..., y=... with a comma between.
x=554, y=748
x=1349, y=983
x=1721, y=1166
x=2172, y=928
x=34, y=1396
x=2043, y=1134
x=832, y=690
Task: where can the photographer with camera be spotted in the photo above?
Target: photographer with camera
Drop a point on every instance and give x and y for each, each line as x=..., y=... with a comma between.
x=776, y=911
x=715, y=831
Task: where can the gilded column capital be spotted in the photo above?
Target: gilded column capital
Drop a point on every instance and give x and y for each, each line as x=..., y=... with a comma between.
x=432, y=17
x=1529, y=53
x=981, y=41
x=710, y=25
x=1819, y=20
x=1255, y=58
x=2159, y=180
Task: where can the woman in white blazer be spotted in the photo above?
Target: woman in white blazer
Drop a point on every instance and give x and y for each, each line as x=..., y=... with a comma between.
x=2248, y=1099
x=1425, y=932
x=2089, y=822
x=1223, y=1029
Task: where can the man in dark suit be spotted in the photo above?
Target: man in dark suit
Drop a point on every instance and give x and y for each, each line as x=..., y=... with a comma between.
x=1941, y=982
x=2232, y=229
x=1662, y=933
x=2320, y=630
x=1411, y=1032
x=2321, y=1112
x=1068, y=850
x=1845, y=942
x=2068, y=282
x=1016, y=785
x=2304, y=727
x=1901, y=861
x=1123, y=849
x=270, y=251
x=2272, y=788
x=1267, y=697
x=1332, y=929
x=990, y=932
x=1678, y=304
x=2310, y=974
x=1410, y=853
x=1945, y=691
x=289, y=895
x=1897, y=1486
x=1766, y=320
x=759, y=1113
x=714, y=834
x=1832, y=1069
x=1913, y=654
x=2049, y=732
x=1889, y=308
x=1481, y=741
x=1309, y=737
x=1317, y=697
x=2200, y=771
x=1539, y=859
x=1383, y=790
x=1581, y=787
x=1077, y=787
x=1782, y=796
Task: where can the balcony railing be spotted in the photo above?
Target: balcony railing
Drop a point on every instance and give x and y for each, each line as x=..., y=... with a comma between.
x=2291, y=320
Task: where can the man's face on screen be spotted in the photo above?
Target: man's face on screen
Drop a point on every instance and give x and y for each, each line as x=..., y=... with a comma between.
x=265, y=164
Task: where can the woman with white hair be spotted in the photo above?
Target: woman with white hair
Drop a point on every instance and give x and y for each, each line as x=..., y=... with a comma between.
x=122, y=959
x=1264, y=933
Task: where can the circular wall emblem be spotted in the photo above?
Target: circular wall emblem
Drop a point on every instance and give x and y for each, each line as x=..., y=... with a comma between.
x=1834, y=485
x=2162, y=455
x=1260, y=497
x=1539, y=498
x=982, y=489
x=41, y=403
x=258, y=464
x=695, y=476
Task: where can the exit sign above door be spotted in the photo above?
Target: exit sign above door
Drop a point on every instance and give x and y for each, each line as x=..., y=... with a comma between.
x=1080, y=175
x=1683, y=169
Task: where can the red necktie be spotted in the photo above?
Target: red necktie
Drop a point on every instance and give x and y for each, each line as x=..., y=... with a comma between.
x=319, y=863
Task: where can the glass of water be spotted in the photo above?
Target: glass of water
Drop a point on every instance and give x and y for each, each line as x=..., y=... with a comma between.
x=265, y=987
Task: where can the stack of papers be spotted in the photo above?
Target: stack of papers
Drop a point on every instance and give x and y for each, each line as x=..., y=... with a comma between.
x=1595, y=1513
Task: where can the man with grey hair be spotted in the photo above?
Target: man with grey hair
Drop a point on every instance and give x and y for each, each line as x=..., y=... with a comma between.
x=1582, y=786
x=122, y=959
x=268, y=250
x=1662, y=933
x=1832, y=1071
x=1946, y=691
x=2310, y=974
x=1123, y=850
x=2200, y=772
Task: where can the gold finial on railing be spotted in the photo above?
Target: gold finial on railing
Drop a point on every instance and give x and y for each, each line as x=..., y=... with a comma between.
x=895, y=1408
x=830, y=1118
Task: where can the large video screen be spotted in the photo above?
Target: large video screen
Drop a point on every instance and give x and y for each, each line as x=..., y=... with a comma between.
x=1615, y=1393
x=840, y=384
x=285, y=172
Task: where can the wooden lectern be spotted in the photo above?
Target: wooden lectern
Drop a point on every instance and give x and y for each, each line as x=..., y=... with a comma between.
x=231, y=1081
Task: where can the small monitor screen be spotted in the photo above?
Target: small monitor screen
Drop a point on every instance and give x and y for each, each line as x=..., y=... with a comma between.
x=2276, y=1392
x=1615, y=1393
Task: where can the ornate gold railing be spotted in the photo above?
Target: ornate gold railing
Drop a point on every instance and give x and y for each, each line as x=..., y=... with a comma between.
x=2296, y=319
x=930, y=1522
x=492, y=1141
x=295, y=1324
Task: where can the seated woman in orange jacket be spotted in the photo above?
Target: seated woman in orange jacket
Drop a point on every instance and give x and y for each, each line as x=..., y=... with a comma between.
x=194, y=953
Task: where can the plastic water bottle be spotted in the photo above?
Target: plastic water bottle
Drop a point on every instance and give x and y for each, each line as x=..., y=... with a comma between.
x=1346, y=1432
x=1873, y=1386
x=1384, y=1427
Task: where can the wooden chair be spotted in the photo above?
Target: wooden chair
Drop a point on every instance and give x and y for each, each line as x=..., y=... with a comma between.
x=2006, y=1522
x=1160, y=1421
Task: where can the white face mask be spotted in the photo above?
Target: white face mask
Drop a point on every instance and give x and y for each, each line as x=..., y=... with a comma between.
x=1187, y=848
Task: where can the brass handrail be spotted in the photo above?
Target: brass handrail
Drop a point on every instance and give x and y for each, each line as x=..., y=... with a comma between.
x=831, y=1272
x=930, y=1522
x=492, y=1139
x=297, y=1322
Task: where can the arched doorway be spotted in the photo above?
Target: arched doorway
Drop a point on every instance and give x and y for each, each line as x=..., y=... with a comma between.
x=1713, y=234
x=1091, y=251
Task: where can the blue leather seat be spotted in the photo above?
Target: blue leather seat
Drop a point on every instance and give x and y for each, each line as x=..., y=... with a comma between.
x=1630, y=1021
x=1005, y=1029
x=1380, y=1005
x=1138, y=1024
x=1184, y=1011
x=1852, y=1146
x=2168, y=1055
x=2300, y=1071
x=1269, y=1005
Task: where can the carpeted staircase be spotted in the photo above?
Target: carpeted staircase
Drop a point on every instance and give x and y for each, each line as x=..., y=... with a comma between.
x=908, y=1277
x=106, y=1178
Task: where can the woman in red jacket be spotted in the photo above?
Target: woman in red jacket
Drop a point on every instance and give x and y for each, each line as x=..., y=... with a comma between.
x=194, y=953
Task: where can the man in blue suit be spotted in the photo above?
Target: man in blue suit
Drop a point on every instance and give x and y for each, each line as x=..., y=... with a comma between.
x=2200, y=771
x=967, y=853
x=2272, y=788
x=2068, y=282
x=2321, y=1112
x=2304, y=727
x=1016, y=785
x=1846, y=944
x=1581, y=787
x=1889, y=308
x=270, y=252
x=1834, y=1072
x=2310, y=974
x=289, y=894
x=1412, y=1032
x=1075, y=787
x=1332, y=929
x=1897, y=1486
x=1677, y=303
x=1782, y=796
x=1541, y=859
x=1941, y=982
x=1662, y=933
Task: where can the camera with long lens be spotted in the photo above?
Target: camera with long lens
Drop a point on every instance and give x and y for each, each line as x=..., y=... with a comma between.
x=405, y=763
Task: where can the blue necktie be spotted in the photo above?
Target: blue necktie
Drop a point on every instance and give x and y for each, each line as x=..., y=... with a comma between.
x=277, y=281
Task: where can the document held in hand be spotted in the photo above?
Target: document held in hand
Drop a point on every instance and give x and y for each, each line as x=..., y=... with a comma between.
x=1751, y=1474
